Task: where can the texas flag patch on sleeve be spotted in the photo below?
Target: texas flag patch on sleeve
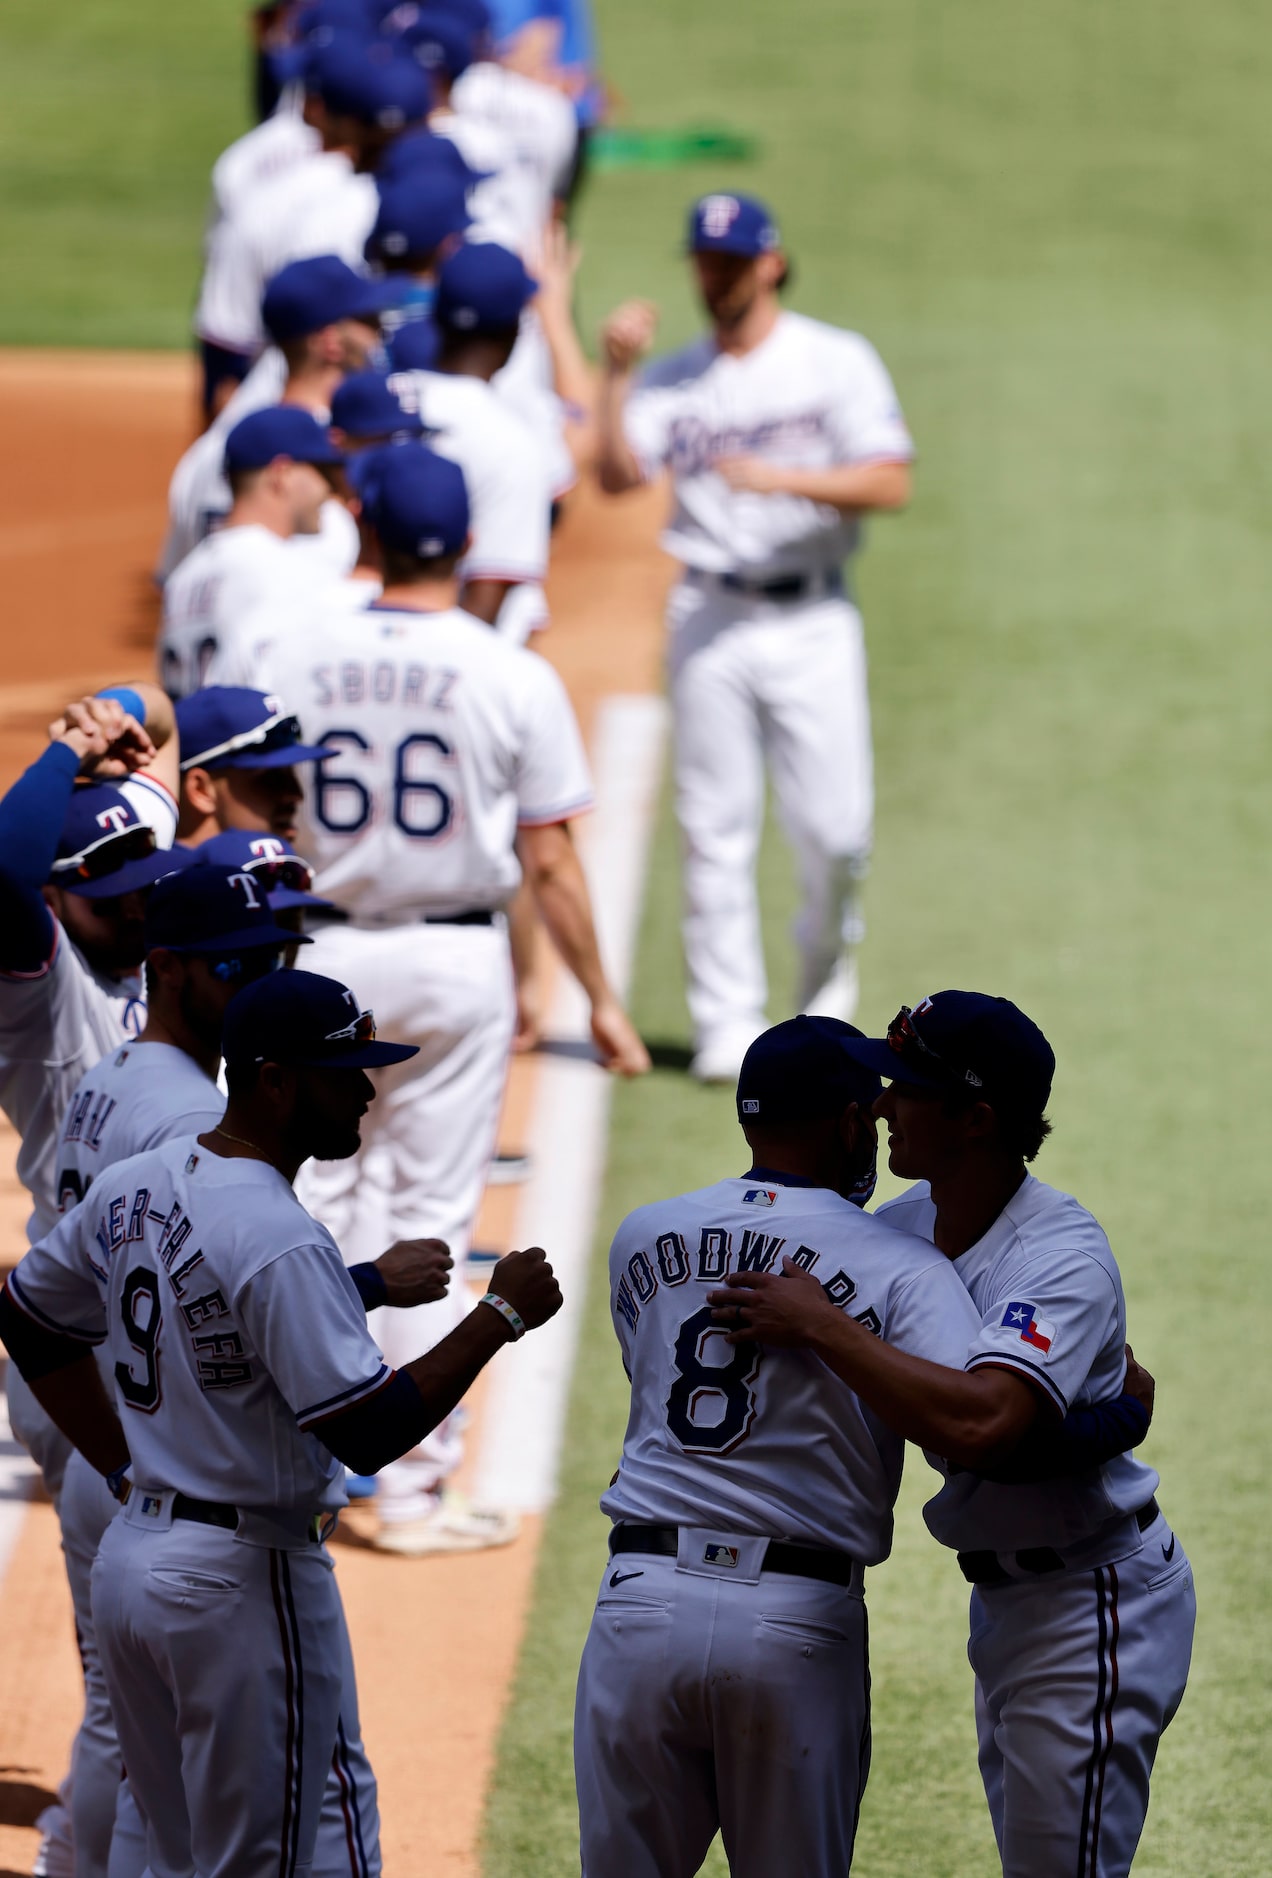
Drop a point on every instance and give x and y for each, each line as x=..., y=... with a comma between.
x=1032, y=1328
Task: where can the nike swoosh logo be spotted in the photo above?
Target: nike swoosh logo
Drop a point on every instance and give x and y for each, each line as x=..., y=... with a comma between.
x=1168, y=1551
x=620, y=1578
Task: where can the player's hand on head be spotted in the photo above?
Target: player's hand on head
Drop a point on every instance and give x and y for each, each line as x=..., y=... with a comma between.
x=628, y=334
x=107, y=739
x=770, y=1307
x=618, y=1040
x=1139, y=1382
x=749, y=474
x=527, y=1282
x=415, y=1271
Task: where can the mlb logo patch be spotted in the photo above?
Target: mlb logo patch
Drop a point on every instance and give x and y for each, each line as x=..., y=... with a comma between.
x=760, y=1196
x=750, y=1105
x=1033, y=1329
x=150, y=1506
x=726, y=1555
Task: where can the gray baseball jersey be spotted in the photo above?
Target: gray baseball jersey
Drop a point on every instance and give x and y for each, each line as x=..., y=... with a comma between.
x=1049, y=1296
x=134, y=1099
x=766, y=1441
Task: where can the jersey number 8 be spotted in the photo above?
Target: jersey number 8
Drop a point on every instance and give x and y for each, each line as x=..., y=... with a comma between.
x=711, y=1405
x=422, y=808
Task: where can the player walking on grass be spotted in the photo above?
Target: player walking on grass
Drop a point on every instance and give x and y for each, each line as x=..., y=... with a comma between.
x=1083, y=1608
x=779, y=433
x=244, y=1376
x=457, y=753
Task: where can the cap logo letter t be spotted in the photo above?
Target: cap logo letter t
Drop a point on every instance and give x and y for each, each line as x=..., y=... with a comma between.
x=115, y=819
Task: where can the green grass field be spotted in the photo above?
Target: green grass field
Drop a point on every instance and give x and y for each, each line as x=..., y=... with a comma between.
x=1052, y=220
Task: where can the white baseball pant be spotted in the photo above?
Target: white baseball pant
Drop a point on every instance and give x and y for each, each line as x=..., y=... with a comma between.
x=349, y=1830
x=226, y=1664
x=1077, y=1677
x=706, y=1704
x=755, y=680
x=426, y=1140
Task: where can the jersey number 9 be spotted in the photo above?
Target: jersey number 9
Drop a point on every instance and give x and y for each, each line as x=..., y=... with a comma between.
x=139, y=1309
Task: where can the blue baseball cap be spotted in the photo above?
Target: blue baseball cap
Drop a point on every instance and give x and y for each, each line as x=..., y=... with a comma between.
x=280, y=430
x=105, y=848
x=209, y=908
x=366, y=405
x=230, y=727
x=307, y=295
x=298, y=1017
x=803, y=1068
x=394, y=14
x=414, y=346
x=421, y=152
x=417, y=501
x=442, y=41
x=284, y=875
x=373, y=80
x=966, y=1041
x=417, y=212
x=312, y=27
x=731, y=225
x=482, y=288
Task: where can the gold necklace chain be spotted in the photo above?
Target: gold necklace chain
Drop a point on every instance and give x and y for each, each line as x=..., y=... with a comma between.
x=237, y=1139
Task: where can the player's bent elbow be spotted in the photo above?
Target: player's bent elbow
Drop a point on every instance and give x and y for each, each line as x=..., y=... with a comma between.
x=380, y=1428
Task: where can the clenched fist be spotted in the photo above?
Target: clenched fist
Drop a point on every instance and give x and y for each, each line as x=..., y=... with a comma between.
x=527, y=1282
x=415, y=1271
x=628, y=334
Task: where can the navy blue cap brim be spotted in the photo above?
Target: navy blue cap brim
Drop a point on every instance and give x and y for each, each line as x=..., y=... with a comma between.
x=132, y=877
x=366, y=1056
x=246, y=939
x=877, y=1053
x=283, y=899
x=281, y=758
x=377, y=296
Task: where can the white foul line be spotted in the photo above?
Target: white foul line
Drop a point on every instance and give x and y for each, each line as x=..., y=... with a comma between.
x=524, y=1415
x=17, y=1478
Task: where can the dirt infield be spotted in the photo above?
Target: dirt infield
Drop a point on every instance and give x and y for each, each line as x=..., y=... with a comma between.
x=91, y=441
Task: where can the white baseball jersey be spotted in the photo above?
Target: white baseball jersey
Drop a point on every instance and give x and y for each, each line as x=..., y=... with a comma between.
x=228, y=576
x=317, y=205
x=260, y=154
x=228, y=1317
x=755, y=1440
x=1047, y=1289
x=809, y=397
x=536, y=123
x=136, y=1097
x=527, y=386
x=503, y=204
x=449, y=739
x=242, y=653
x=154, y=802
x=54, y=1025
x=509, y=496
x=198, y=494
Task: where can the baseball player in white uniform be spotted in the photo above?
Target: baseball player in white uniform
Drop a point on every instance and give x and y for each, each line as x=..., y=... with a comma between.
x=1083, y=1608
x=243, y=1376
x=725, y=1681
x=482, y=290
x=456, y=751
x=323, y=320
x=276, y=463
x=779, y=434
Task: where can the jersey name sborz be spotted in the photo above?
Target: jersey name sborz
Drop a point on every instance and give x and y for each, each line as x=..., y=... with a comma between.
x=385, y=682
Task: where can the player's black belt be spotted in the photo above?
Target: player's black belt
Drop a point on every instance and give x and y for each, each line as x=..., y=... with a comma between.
x=205, y=1512
x=986, y=1568
x=794, y=1561
x=475, y=916
x=782, y=586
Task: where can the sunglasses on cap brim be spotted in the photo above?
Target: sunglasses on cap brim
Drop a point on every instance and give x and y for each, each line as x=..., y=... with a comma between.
x=276, y=733
x=909, y=1046
x=108, y=855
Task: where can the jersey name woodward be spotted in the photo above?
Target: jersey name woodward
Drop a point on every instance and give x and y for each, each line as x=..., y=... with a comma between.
x=1048, y=1296
x=754, y=1440
x=229, y=1321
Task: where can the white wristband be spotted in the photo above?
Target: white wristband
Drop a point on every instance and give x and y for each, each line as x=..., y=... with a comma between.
x=505, y=1310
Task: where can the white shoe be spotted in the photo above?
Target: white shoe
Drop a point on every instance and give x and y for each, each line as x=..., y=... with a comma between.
x=719, y=1060
x=453, y=1526
x=508, y=1170
x=838, y=996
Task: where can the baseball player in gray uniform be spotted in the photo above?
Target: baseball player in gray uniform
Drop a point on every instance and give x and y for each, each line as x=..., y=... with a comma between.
x=780, y=433
x=243, y=1377
x=725, y=1680
x=1083, y=1606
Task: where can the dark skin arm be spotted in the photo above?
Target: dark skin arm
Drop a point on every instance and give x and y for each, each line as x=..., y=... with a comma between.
x=483, y=598
x=975, y=1418
x=76, y=1400
x=415, y=1271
